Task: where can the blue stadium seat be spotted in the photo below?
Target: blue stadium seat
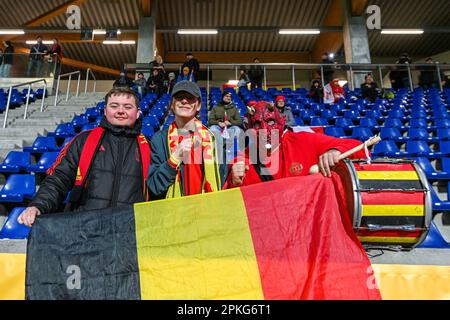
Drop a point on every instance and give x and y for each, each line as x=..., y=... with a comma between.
x=361, y=133
x=42, y=144
x=444, y=148
x=429, y=170
x=63, y=130
x=368, y=123
x=442, y=123
x=89, y=126
x=15, y=162
x=392, y=134
x=418, y=123
x=434, y=239
x=46, y=161
x=80, y=120
x=318, y=121
x=148, y=132
x=18, y=187
x=438, y=204
x=344, y=123
x=394, y=123
x=421, y=134
x=386, y=148
x=92, y=113
x=443, y=133
x=419, y=148
x=12, y=229
x=335, y=132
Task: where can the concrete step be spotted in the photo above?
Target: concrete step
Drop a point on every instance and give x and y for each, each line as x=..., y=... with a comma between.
x=21, y=132
x=35, y=123
x=11, y=144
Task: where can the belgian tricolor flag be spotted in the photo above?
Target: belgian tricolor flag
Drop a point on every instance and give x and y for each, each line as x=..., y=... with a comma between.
x=284, y=239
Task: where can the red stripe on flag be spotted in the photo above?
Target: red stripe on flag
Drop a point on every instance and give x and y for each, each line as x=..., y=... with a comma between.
x=301, y=243
x=392, y=197
x=384, y=167
x=390, y=233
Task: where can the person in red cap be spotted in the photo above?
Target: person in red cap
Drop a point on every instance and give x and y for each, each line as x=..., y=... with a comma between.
x=285, y=111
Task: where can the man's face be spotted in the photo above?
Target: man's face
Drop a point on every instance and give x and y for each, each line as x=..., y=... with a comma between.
x=369, y=79
x=39, y=40
x=189, y=57
x=121, y=110
x=185, y=105
x=227, y=98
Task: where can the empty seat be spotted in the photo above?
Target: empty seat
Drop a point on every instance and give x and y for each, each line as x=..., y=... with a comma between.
x=429, y=170
x=15, y=162
x=18, y=187
x=42, y=144
x=63, y=130
x=148, y=131
x=361, y=133
x=80, y=120
x=368, y=123
x=394, y=123
x=46, y=161
x=419, y=148
x=442, y=123
x=420, y=134
x=344, y=123
x=335, y=132
x=438, y=204
x=418, y=123
x=386, y=148
x=392, y=134
x=443, y=133
x=12, y=229
x=318, y=121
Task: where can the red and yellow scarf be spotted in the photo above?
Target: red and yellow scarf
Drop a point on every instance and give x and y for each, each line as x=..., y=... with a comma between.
x=201, y=175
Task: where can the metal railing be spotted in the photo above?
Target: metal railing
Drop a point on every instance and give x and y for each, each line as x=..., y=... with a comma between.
x=89, y=71
x=68, y=85
x=350, y=68
x=28, y=98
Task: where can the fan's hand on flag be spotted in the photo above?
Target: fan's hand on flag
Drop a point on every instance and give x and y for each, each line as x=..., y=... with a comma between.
x=238, y=172
x=222, y=124
x=227, y=123
x=328, y=160
x=28, y=216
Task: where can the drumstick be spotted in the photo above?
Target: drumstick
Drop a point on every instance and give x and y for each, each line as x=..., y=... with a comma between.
x=368, y=143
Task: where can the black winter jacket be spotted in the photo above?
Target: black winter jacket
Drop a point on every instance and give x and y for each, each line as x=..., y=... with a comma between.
x=115, y=176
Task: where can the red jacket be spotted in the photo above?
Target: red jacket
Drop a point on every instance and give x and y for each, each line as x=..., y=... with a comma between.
x=296, y=154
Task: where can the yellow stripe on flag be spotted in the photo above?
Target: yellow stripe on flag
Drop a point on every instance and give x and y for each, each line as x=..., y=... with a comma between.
x=387, y=175
x=196, y=247
x=388, y=239
x=413, y=282
x=12, y=277
x=390, y=210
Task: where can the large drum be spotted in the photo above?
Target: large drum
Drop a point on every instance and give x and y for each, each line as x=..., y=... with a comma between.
x=389, y=202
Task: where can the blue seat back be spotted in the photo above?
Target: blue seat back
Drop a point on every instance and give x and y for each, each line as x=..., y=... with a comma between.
x=12, y=229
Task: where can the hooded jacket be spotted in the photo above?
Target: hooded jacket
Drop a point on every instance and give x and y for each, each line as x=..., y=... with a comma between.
x=115, y=177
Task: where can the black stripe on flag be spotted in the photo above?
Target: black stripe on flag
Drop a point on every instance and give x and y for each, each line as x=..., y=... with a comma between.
x=418, y=222
x=83, y=255
x=390, y=184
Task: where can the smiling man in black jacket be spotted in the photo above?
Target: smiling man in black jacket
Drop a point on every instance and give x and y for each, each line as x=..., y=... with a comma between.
x=115, y=175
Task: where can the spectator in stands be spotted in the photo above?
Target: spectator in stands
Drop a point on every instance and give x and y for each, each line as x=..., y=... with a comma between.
x=193, y=66
x=141, y=84
x=399, y=77
x=56, y=57
x=428, y=76
x=333, y=92
x=184, y=156
x=123, y=81
x=187, y=75
x=256, y=75
x=316, y=91
x=328, y=72
x=288, y=154
x=5, y=68
x=155, y=83
x=36, y=58
x=115, y=176
x=243, y=79
x=224, y=119
x=1, y=57
x=158, y=63
x=369, y=89
x=171, y=83
x=285, y=111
